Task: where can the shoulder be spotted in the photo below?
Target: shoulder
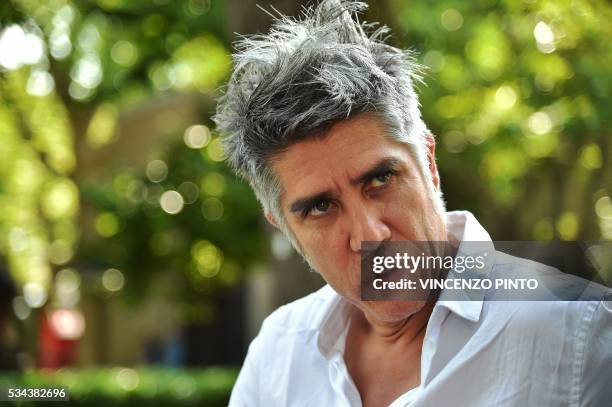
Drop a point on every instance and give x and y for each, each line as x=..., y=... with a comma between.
x=289, y=335
x=283, y=355
x=561, y=302
x=550, y=283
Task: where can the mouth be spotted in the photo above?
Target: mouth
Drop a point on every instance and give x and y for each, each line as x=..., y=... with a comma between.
x=382, y=250
x=391, y=271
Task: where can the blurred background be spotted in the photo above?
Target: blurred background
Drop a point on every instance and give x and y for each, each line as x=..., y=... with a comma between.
x=134, y=267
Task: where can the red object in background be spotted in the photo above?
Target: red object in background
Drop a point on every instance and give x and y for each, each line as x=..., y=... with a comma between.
x=60, y=331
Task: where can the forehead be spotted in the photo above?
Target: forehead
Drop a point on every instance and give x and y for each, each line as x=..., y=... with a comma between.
x=344, y=152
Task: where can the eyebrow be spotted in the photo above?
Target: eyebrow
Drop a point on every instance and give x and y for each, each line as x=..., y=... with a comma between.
x=385, y=165
x=302, y=204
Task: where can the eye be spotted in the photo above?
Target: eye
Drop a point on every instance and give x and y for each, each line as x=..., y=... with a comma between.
x=318, y=209
x=381, y=179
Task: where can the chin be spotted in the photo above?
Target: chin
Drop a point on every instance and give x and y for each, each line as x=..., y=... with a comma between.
x=392, y=311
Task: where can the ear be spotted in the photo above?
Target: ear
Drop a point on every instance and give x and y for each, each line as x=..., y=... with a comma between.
x=271, y=219
x=431, y=158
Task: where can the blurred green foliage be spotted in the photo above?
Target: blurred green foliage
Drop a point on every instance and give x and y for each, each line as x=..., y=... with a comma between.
x=133, y=387
x=70, y=70
x=517, y=92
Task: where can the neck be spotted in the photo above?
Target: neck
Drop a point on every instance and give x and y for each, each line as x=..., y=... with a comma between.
x=404, y=330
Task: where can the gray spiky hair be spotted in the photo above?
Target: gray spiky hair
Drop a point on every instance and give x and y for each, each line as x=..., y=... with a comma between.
x=305, y=75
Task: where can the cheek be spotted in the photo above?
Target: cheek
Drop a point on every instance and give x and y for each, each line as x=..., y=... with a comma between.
x=407, y=212
x=330, y=255
x=325, y=248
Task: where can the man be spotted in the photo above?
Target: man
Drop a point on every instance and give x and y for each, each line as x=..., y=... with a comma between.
x=320, y=116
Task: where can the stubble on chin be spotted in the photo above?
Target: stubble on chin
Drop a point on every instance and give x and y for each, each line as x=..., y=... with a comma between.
x=390, y=311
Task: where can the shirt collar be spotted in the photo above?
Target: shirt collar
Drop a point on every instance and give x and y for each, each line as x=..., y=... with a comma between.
x=462, y=226
x=332, y=323
x=334, y=318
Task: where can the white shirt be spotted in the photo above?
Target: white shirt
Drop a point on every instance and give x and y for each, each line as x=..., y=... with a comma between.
x=475, y=353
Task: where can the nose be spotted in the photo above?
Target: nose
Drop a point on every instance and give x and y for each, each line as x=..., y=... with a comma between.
x=367, y=225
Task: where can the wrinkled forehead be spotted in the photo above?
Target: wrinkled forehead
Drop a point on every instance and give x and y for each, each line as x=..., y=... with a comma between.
x=330, y=144
x=347, y=150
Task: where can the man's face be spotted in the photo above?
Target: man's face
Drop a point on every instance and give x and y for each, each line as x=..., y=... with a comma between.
x=354, y=185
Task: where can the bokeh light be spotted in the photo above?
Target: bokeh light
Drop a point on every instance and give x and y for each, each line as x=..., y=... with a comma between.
x=124, y=53
x=451, y=19
x=171, y=202
x=212, y=209
x=189, y=191
x=215, y=150
x=539, y=123
x=213, y=184
x=102, y=126
x=107, y=224
x=544, y=37
x=67, y=288
x=69, y=324
x=505, y=97
x=128, y=379
x=113, y=280
x=157, y=171
x=18, y=47
x=208, y=258
x=21, y=308
x=35, y=295
x=197, y=136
